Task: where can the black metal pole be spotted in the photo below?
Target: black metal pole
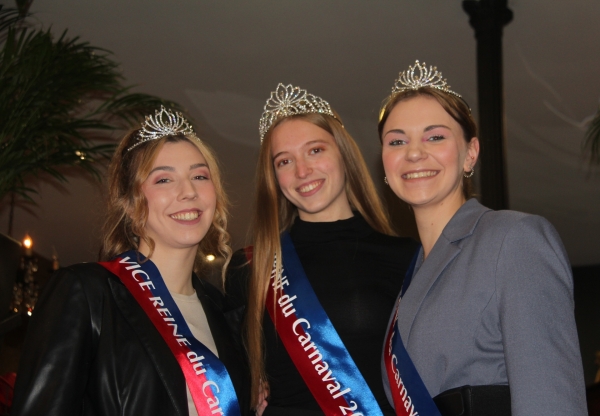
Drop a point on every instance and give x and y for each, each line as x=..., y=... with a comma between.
x=488, y=17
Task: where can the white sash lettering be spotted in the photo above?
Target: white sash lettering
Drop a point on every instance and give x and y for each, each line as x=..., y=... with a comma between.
x=286, y=303
x=192, y=357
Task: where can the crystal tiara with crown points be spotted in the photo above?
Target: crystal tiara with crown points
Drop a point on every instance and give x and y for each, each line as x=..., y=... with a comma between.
x=288, y=100
x=164, y=123
x=425, y=77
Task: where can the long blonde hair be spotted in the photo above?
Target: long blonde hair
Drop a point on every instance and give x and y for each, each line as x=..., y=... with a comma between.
x=273, y=214
x=127, y=211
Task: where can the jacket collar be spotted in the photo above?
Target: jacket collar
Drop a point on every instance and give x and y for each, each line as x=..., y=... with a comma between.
x=461, y=226
x=157, y=349
x=464, y=222
x=161, y=356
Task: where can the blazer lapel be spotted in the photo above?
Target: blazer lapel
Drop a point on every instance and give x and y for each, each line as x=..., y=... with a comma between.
x=157, y=349
x=431, y=269
x=444, y=251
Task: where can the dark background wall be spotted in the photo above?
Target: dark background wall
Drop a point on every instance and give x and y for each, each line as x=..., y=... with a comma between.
x=587, y=315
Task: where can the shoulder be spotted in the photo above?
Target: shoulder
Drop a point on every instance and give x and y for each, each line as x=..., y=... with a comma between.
x=508, y=217
x=89, y=271
x=528, y=246
x=518, y=226
x=89, y=277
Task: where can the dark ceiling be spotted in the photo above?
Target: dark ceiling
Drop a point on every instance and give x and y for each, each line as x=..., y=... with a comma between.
x=221, y=59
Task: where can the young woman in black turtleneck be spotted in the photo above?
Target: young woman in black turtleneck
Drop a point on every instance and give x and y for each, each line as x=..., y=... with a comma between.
x=313, y=183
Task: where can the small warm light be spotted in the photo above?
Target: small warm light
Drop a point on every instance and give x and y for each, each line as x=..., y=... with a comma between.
x=210, y=257
x=29, y=313
x=28, y=244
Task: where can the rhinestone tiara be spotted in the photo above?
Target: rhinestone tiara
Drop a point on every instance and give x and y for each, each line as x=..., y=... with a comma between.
x=424, y=77
x=288, y=100
x=164, y=123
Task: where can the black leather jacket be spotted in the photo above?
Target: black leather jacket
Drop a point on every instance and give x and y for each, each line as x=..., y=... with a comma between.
x=91, y=350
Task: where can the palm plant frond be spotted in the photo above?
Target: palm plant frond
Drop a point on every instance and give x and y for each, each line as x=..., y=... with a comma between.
x=591, y=144
x=61, y=101
x=8, y=17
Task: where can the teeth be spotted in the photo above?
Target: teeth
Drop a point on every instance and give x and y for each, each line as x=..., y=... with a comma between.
x=185, y=216
x=424, y=174
x=309, y=187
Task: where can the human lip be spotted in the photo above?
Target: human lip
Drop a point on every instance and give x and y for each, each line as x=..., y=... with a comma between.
x=420, y=174
x=186, y=215
x=309, y=187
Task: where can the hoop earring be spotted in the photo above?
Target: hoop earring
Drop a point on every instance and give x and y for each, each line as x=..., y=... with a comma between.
x=385, y=180
x=470, y=173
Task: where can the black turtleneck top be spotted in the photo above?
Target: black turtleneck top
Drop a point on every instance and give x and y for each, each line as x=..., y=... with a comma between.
x=356, y=274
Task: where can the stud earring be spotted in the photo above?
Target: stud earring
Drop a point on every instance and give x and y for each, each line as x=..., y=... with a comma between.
x=385, y=180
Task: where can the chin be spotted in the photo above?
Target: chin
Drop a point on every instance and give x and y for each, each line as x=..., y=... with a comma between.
x=416, y=201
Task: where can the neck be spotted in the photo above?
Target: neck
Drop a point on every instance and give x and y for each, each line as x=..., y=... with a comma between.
x=431, y=221
x=175, y=266
x=341, y=212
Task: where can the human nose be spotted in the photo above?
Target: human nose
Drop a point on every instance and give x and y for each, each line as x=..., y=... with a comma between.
x=188, y=190
x=303, y=168
x=415, y=151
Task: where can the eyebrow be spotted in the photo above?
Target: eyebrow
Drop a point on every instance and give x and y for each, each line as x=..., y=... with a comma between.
x=198, y=165
x=305, y=145
x=428, y=128
x=394, y=131
x=165, y=168
x=435, y=126
x=172, y=169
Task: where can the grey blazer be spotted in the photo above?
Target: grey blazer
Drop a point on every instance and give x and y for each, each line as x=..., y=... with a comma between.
x=493, y=304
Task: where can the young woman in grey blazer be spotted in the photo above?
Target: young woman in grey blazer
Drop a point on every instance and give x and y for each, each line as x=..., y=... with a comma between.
x=490, y=301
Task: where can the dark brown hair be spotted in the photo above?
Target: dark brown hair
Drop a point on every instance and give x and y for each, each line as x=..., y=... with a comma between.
x=455, y=106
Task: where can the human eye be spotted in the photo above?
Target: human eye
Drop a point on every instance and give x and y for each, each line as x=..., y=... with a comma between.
x=282, y=162
x=202, y=174
x=396, y=142
x=436, y=138
x=162, y=180
x=315, y=150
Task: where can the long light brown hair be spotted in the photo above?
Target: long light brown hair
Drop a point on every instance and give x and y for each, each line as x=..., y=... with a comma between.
x=455, y=106
x=127, y=211
x=273, y=214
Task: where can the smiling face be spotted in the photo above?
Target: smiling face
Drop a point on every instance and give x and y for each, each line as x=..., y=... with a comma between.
x=181, y=198
x=425, y=154
x=310, y=171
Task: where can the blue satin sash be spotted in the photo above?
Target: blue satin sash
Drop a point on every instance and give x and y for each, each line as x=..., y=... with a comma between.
x=313, y=343
x=410, y=395
x=206, y=376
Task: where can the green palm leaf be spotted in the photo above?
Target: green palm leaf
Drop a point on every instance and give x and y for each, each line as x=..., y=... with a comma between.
x=61, y=100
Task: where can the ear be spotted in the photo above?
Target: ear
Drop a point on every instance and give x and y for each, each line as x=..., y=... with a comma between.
x=472, y=154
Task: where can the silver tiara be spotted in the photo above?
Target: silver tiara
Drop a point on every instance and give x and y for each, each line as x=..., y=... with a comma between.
x=424, y=77
x=287, y=101
x=163, y=123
